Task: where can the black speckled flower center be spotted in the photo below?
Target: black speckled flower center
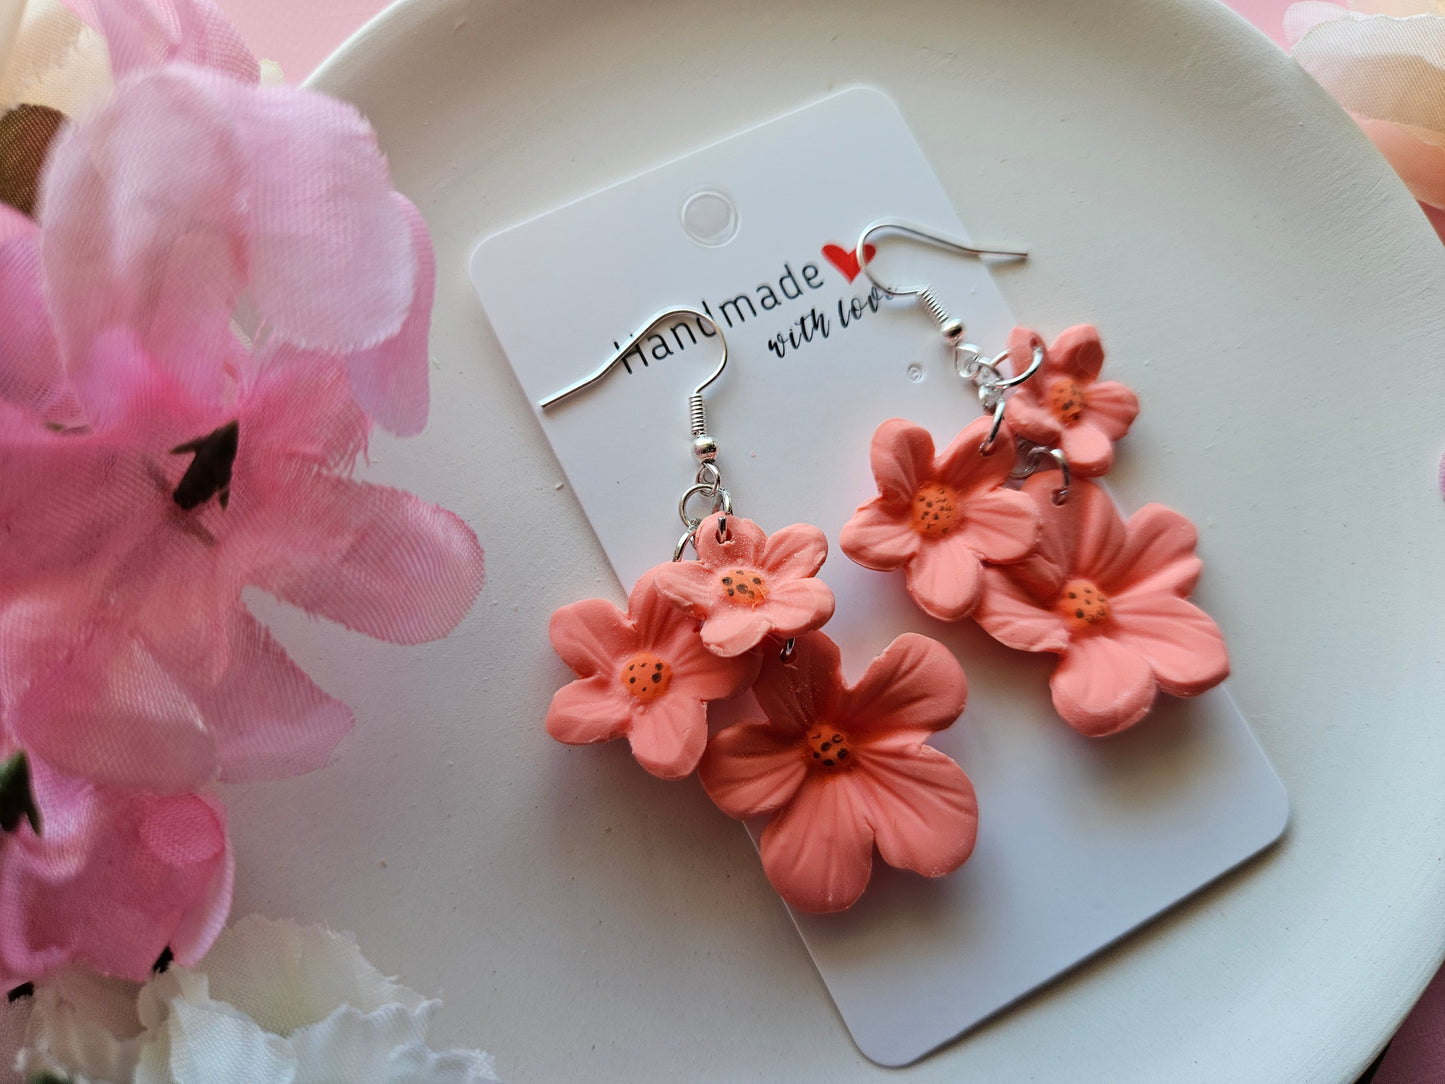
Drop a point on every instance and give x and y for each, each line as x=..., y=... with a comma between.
x=935, y=509
x=827, y=748
x=646, y=676
x=743, y=586
x=1083, y=604
x=1066, y=400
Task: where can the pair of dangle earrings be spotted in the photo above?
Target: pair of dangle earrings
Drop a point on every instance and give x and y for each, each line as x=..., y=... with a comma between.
x=840, y=770
x=981, y=531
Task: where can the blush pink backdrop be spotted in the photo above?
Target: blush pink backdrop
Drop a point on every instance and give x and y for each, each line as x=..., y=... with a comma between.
x=299, y=35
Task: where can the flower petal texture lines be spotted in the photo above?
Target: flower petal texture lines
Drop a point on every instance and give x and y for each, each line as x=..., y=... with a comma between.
x=1065, y=405
x=941, y=518
x=841, y=769
x=644, y=675
x=748, y=585
x=1110, y=598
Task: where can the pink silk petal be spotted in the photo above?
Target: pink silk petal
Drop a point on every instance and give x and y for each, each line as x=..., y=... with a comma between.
x=668, y=736
x=902, y=457
x=1078, y=354
x=965, y=467
x=31, y=376
x=205, y=917
x=1002, y=525
x=944, y=578
x=732, y=630
x=1157, y=554
x=1180, y=641
x=879, y=538
x=592, y=637
x=744, y=546
x=797, y=606
x=143, y=34
x=269, y=719
x=332, y=258
x=143, y=211
x=374, y=559
x=1111, y=407
x=1010, y=613
x=1090, y=453
x=818, y=851
x=391, y=380
x=1102, y=687
x=689, y=584
x=750, y=769
x=798, y=694
x=796, y=550
x=922, y=809
x=114, y=879
x=112, y=714
x=589, y=710
x=913, y=688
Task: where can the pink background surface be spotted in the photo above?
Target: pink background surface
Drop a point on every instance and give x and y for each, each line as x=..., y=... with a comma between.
x=298, y=35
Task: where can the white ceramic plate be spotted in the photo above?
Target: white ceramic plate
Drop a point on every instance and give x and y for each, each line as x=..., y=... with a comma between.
x=1180, y=184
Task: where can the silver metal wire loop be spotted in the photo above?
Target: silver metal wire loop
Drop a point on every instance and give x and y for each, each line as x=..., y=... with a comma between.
x=1033, y=462
x=632, y=344
x=918, y=233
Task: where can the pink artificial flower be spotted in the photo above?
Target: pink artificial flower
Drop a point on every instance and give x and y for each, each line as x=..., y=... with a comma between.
x=1109, y=599
x=1065, y=405
x=841, y=768
x=141, y=34
x=644, y=674
x=940, y=519
x=115, y=878
x=1381, y=62
x=191, y=197
x=748, y=585
x=130, y=657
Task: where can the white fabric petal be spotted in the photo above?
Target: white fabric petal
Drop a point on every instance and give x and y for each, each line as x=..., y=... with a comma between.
x=1383, y=68
x=209, y=1046
x=354, y=1046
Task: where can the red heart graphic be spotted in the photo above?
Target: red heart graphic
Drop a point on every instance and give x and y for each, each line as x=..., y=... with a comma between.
x=846, y=260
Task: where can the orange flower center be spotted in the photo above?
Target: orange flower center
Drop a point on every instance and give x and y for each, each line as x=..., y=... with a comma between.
x=935, y=509
x=827, y=748
x=1066, y=400
x=646, y=676
x=743, y=587
x=1083, y=604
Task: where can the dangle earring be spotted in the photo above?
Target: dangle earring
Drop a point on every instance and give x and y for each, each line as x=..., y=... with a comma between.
x=1108, y=597
x=941, y=518
x=838, y=768
x=690, y=629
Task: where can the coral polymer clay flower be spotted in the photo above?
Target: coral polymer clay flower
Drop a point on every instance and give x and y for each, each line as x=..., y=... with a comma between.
x=749, y=585
x=940, y=519
x=842, y=768
x=644, y=674
x=1109, y=598
x=1065, y=405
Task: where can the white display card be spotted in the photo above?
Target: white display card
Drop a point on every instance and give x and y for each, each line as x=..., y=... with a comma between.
x=1079, y=841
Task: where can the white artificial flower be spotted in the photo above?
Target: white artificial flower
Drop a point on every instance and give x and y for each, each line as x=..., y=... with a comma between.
x=49, y=57
x=272, y=1003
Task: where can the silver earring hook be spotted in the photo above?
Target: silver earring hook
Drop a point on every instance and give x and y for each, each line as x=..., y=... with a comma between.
x=708, y=483
x=632, y=344
x=953, y=329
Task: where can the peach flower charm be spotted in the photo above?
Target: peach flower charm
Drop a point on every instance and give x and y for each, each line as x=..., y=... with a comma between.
x=748, y=585
x=1109, y=598
x=841, y=769
x=940, y=519
x=1065, y=405
x=644, y=674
